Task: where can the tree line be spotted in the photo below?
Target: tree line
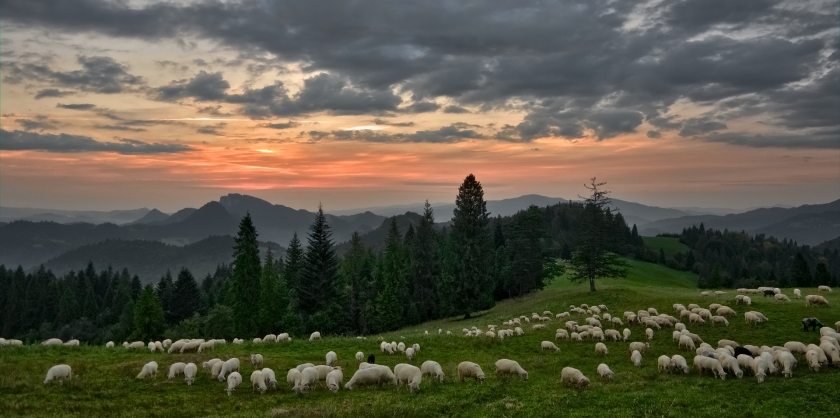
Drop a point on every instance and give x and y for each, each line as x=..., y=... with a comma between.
x=729, y=259
x=425, y=273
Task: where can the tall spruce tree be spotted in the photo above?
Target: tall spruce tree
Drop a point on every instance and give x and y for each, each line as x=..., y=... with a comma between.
x=149, y=323
x=594, y=257
x=470, y=284
x=272, y=308
x=425, y=268
x=529, y=268
x=357, y=269
x=800, y=272
x=186, y=297
x=291, y=277
x=245, y=286
x=165, y=290
x=821, y=275
x=390, y=296
x=319, y=291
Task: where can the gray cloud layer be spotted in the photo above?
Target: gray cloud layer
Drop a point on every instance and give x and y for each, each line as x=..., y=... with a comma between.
x=574, y=67
x=20, y=140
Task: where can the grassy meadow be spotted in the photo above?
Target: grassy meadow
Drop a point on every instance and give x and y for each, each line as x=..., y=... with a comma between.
x=104, y=383
x=671, y=246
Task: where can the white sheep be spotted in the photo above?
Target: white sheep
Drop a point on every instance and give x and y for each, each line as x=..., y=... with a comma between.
x=300, y=367
x=191, y=346
x=813, y=358
x=679, y=326
x=176, y=346
x=636, y=358
x=780, y=298
x=759, y=368
x=233, y=382
x=416, y=346
x=166, y=343
x=293, y=377
x=717, y=319
x=72, y=343
x=505, y=366
x=601, y=348
x=231, y=365
x=518, y=331
x=331, y=358
x=831, y=352
x=270, y=378
x=109, y=344
x=258, y=381
x=369, y=376
x=409, y=352
x=731, y=363
x=641, y=347
x=308, y=379
x=58, y=372
x=149, y=370
x=663, y=363
x=686, y=342
x=256, y=360
x=176, y=369
x=334, y=380
x=315, y=336
x=208, y=365
x=548, y=345
x=797, y=293
x=360, y=356
x=53, y=342
x=649, y=334
x=257, y=340
x=409, y=375
x=190, y=371
x=824, y=289
x=728, y=343
x=605, y=372
x=215, y=369
x=283, y=337
x=211, y=345
x=787, y=362
x=815, y=300
x=706, y=363
x=152, y=347
x=432, y=368
x=626, y=334
x=678, y=363
x=573, y=377
x=469, y=369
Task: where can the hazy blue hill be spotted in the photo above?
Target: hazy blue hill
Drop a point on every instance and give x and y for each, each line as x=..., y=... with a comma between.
x=154, y=216
x=151, y=259
x=376, y=238
x=29, y=243
x=179, y=216
x=809, y=228
x=9, y=214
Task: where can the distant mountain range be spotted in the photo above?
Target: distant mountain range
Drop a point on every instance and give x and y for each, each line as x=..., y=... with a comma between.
x=172, y=239
x=9, y=214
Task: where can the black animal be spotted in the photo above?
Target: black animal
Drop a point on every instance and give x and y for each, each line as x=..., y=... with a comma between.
x=742, y=350
x=814, y=323
x=769, y=293
x=372, y=359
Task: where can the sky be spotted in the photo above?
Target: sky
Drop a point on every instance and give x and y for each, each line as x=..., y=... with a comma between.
x=692, y=103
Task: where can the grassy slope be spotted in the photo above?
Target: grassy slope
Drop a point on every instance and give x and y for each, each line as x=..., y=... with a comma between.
x=106, y=384
x=672, y=246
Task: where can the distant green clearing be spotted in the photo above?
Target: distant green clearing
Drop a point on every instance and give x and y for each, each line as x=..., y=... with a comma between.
x=105, y=383
x=672, y=246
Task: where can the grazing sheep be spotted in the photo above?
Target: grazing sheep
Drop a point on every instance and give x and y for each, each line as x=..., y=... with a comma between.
x=270, y=378
x=797, y=293
x=751, y=318
x=432, y=368
x=176, y=346
x=176, y=369
x=687, y=343
x=331, y=358
x=360, y=356
x=831, y=351
x=605, y=372
x=600, y=348
x=207, y=345
x=717, y=319
x=561, y=333
x=308, y=379
x=787, y=362
x=149, y=370
x=824, y=289
x=678, y=363
x=109, y=344
x=815, y=300
x=573, y=377
x=293, y=377
x=663, y=363
x=75, y=343
x=696, y=319
x=612, y=334
x=58, y=372
x=728, y=343
x=759, y=368
x=780, y=298
x=166, y=343
x=626, y=334
x=518, y=331
x=641, y=347
x=747, y=301
x=52, y=341
x=401, y=346
x=409, y=375
x=537, y=326
x=813, y=358
x=649, y=333
x=256, y=360
x=725, y=311
x=334, y=380
x=190, y=346
x=283, y=337
x=796, y=347
x=363, y=377
x=409, y=352
x=706, y=363
x=636, y=358
x=190, y=371
x=215, y=369
x=679, y=326
x=257, y=340
x=676, y=336
x=315, y=336
x=231, y=365
x=323, y=371
x=258, y=381
x=469, y=369
x=233, y=382
x=731, y=363
x=754, y=351
x=812, y=323
x=548, y=345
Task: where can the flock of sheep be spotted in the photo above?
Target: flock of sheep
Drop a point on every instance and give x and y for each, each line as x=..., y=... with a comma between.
x=729, y=357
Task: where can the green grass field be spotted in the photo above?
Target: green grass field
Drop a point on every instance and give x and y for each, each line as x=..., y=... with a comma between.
x=672, y=246
x=105, y=385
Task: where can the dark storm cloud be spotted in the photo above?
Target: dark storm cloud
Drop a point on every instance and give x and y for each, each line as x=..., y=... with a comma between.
x=76, y=106
x=52, y=93
x=97, y=75
x=38, y=123
x=211, y=129
x=383, y=122
x=281, y=125
x=572, y=66
x=20, y=140
x=700, y=126
x=456, y=132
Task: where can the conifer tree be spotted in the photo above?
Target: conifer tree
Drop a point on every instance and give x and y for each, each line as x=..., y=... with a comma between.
x=425, y=268
x=800, y=271
x=245, y=286
x=272, y=308
x=470, y=285
x=165, y=290
x=357, y=269
x=821, y=275
x=319, y=291
x=149, y=323
x=391, y=293
x=186, y=297
x=136, y=287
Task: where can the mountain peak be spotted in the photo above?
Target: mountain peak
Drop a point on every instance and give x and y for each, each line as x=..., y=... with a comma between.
x=152, y=217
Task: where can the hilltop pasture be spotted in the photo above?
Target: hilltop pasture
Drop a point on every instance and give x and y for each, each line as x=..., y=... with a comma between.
x=104, y=383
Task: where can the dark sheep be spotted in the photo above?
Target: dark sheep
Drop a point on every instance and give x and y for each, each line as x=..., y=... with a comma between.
x=814, y=323
x=372, y=359
x=769, y=293
x=742, y=350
